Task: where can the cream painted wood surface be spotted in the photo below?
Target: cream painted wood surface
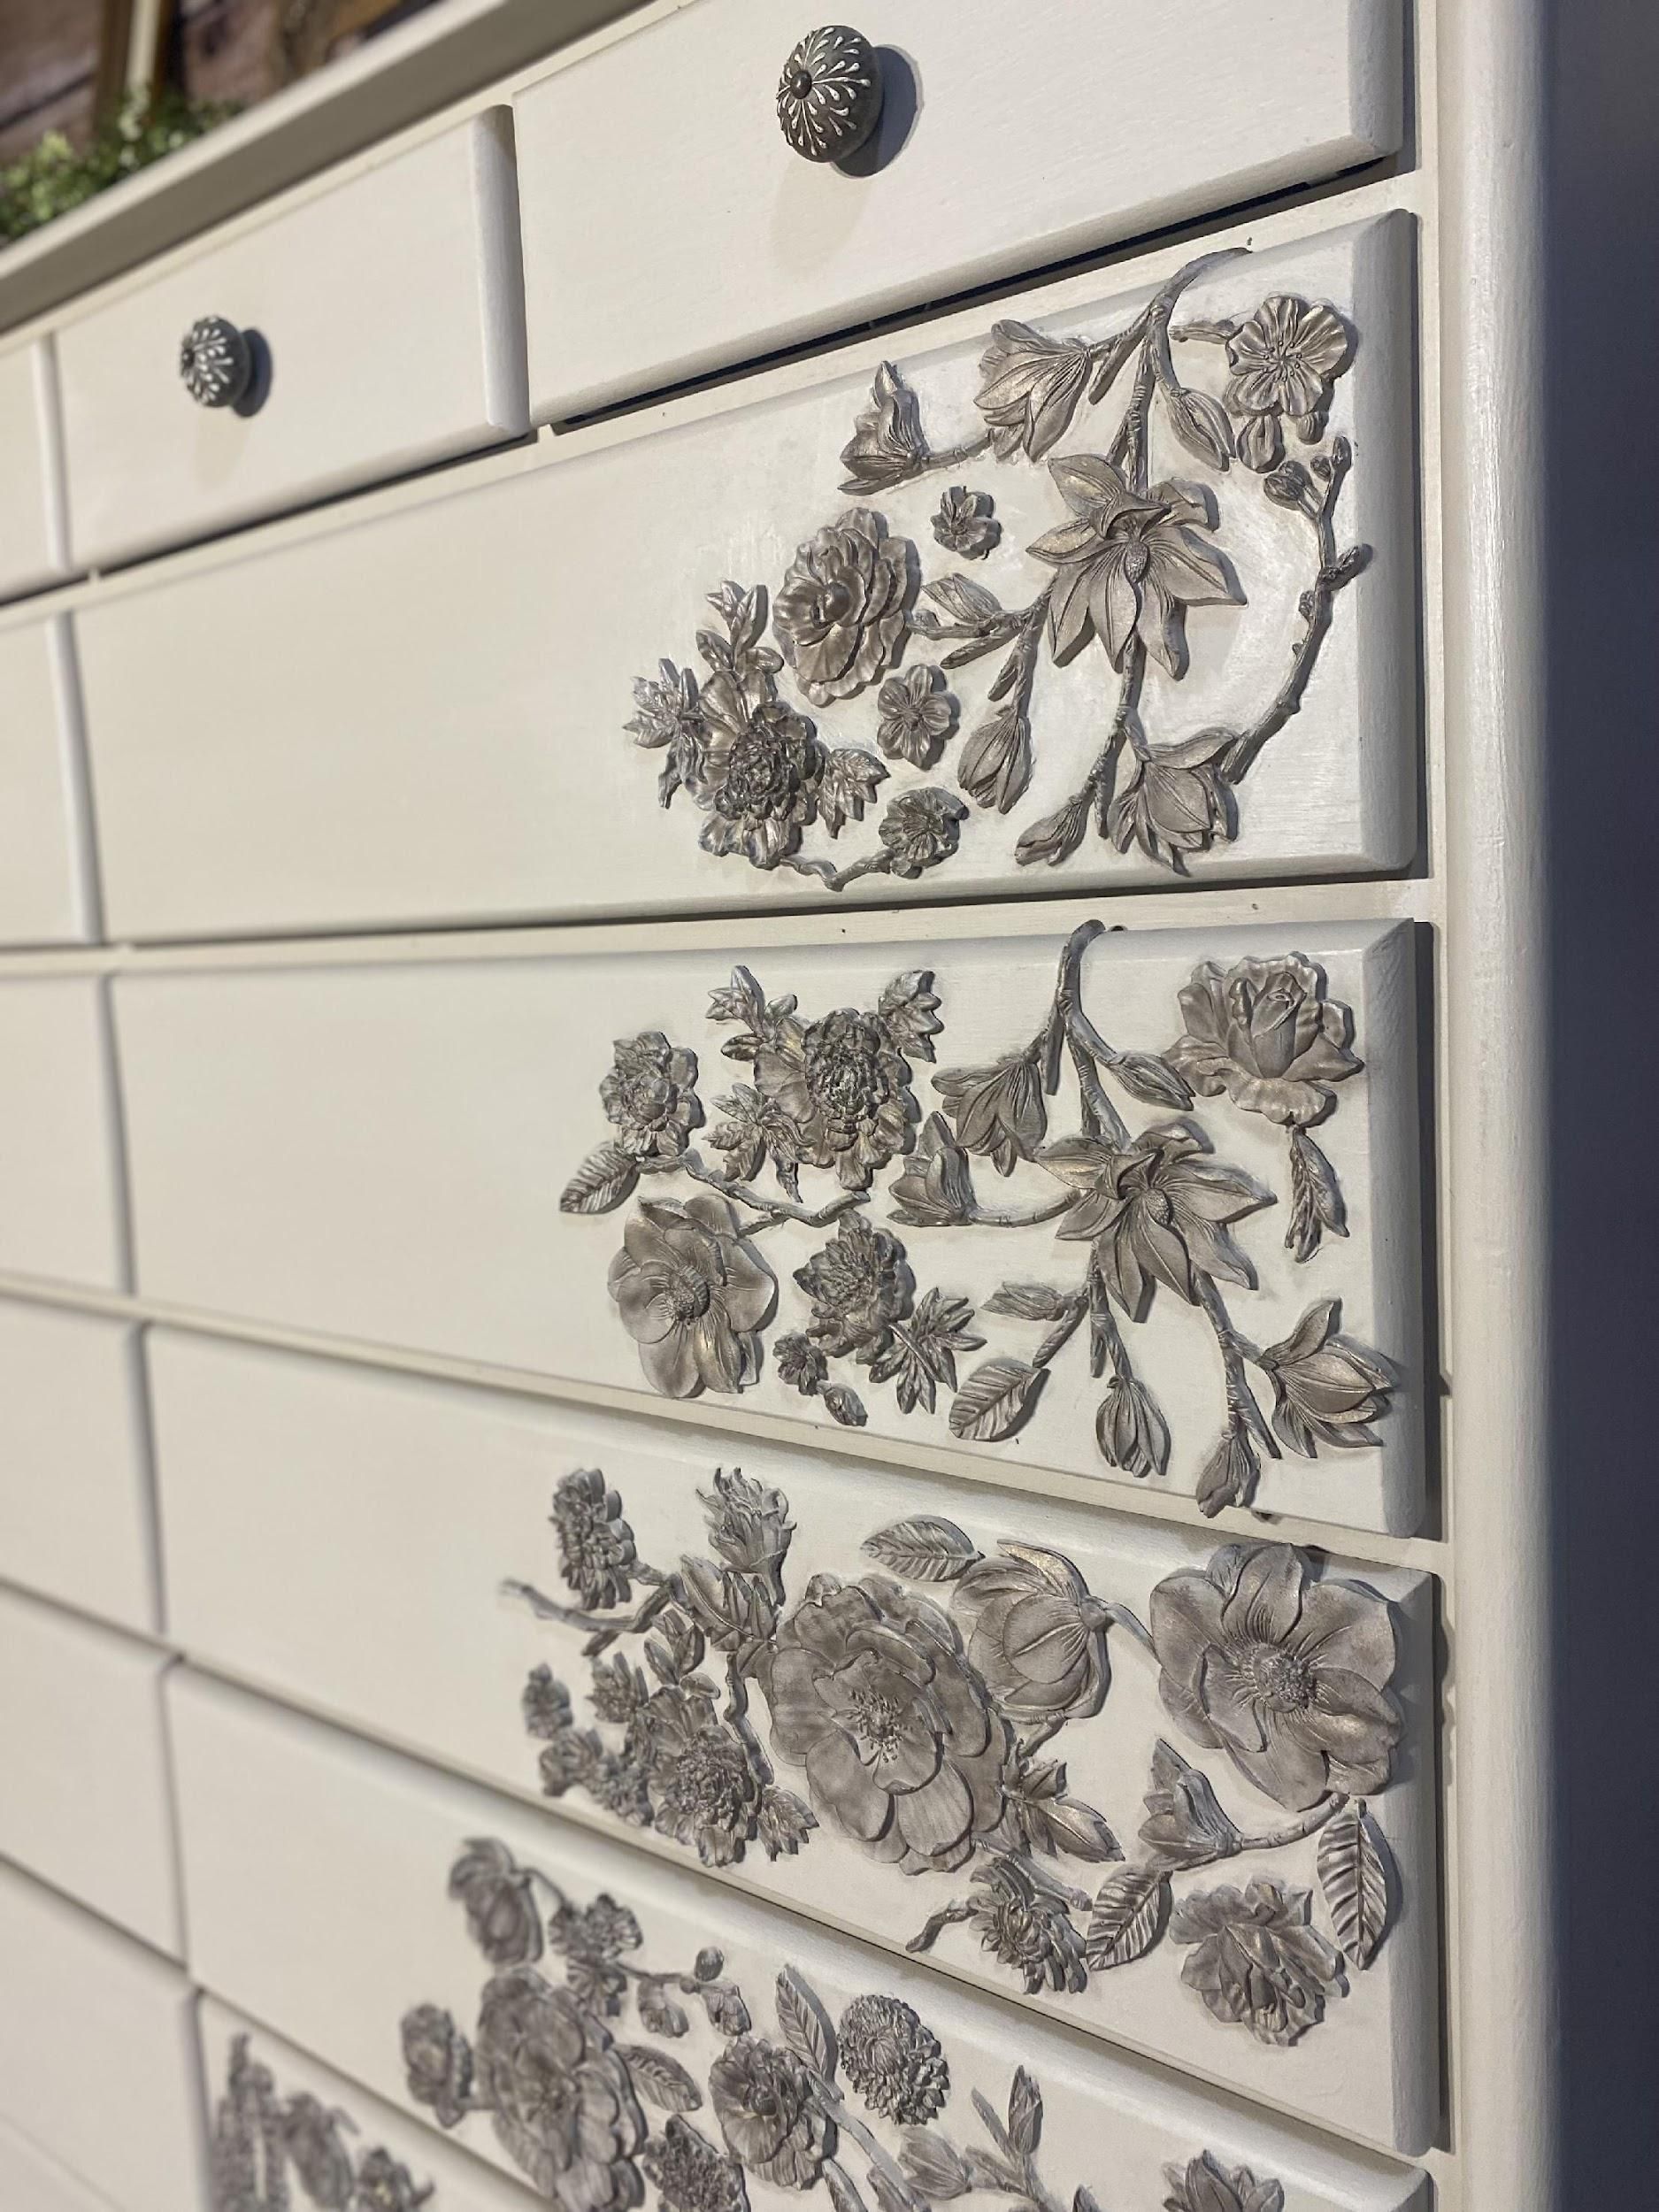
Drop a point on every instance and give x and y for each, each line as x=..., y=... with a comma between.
x=76, y=1519
x=316, y=1868
x=379, y=1153
x=48, y=877
x=34, y=549
x=98, y=2060
x=86, y=1804
x=61, y=1204
x=1032, y=138
x=458, y=2182
x=31, y=2182
x=391, y=314
x=259, y=1452
x=457, y=752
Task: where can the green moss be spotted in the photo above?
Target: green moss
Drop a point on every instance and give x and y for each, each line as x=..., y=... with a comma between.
x=54, y=177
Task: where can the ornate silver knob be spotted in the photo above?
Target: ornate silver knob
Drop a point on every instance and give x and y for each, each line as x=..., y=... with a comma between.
x=215, y=361
x=829, y=96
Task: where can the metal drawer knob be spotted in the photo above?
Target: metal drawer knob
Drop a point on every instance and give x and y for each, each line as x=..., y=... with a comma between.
x=215, y=361
x=829, y=96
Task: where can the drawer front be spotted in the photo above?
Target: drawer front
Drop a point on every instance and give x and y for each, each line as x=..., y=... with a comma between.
x=34, y=551
x=669, y=233
x=76, y=1520
x=86, y=1804
x=98, y=2059
x=62, y=1208
x=276, y=2111
x=31, y=2182
x=427, y=1155
x=487, y=754
x=47, y=894
x=520, y=1531
x=387, y=330
x=681, y=1998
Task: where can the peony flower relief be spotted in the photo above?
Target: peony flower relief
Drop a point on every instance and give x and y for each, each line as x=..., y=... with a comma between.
x=844, y=1088
x=769, y=2113
x=859, y=1286
x=758, y=779
x=693, y=1295
x=1287, y=1673
x=840, y=615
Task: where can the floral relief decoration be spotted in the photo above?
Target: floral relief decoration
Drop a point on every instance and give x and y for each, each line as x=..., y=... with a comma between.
x=1142, y=1211
x=265, y=2145
x=909, y=1710
x=585, y=2080
x=858, y=607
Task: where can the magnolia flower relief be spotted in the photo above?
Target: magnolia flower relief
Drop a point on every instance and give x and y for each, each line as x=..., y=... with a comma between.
x=1131, y=549
x=1147, y=1215
x=590, y=2104
x=904, y=1710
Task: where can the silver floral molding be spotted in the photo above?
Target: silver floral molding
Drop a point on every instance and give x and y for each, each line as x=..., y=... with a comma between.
x=797, y=2107
x=913, y=1722
x=265, y=2145
x=1145, y=1209
x=1126, y=562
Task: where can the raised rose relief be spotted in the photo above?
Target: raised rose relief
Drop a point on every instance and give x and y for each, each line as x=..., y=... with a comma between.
x=1104, y=1140
x=912, y=1709
x=874, y=656
x=270, y=2153
x=578, y=2060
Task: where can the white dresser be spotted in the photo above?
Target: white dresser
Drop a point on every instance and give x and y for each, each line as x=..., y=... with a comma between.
x=801, y=1284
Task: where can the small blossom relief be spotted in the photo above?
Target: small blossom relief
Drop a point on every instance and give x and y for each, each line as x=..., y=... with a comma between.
x=758, y=740
x=909, y=1709
x=590, y=2079
x=1151, y=1214
x=267, y=2147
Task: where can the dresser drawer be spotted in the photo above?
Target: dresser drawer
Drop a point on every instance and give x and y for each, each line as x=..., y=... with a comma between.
x=436, y=1157
x=487, y=739
x=276, y=2110
x=76, y=1511
x=98, y=2060
x=61, y=1206
x=381, y=321
x=83, y=1748
x=34, y=550
x=349, y=1851
x=472, y=1652
x=669, y=229
x=47, y=881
